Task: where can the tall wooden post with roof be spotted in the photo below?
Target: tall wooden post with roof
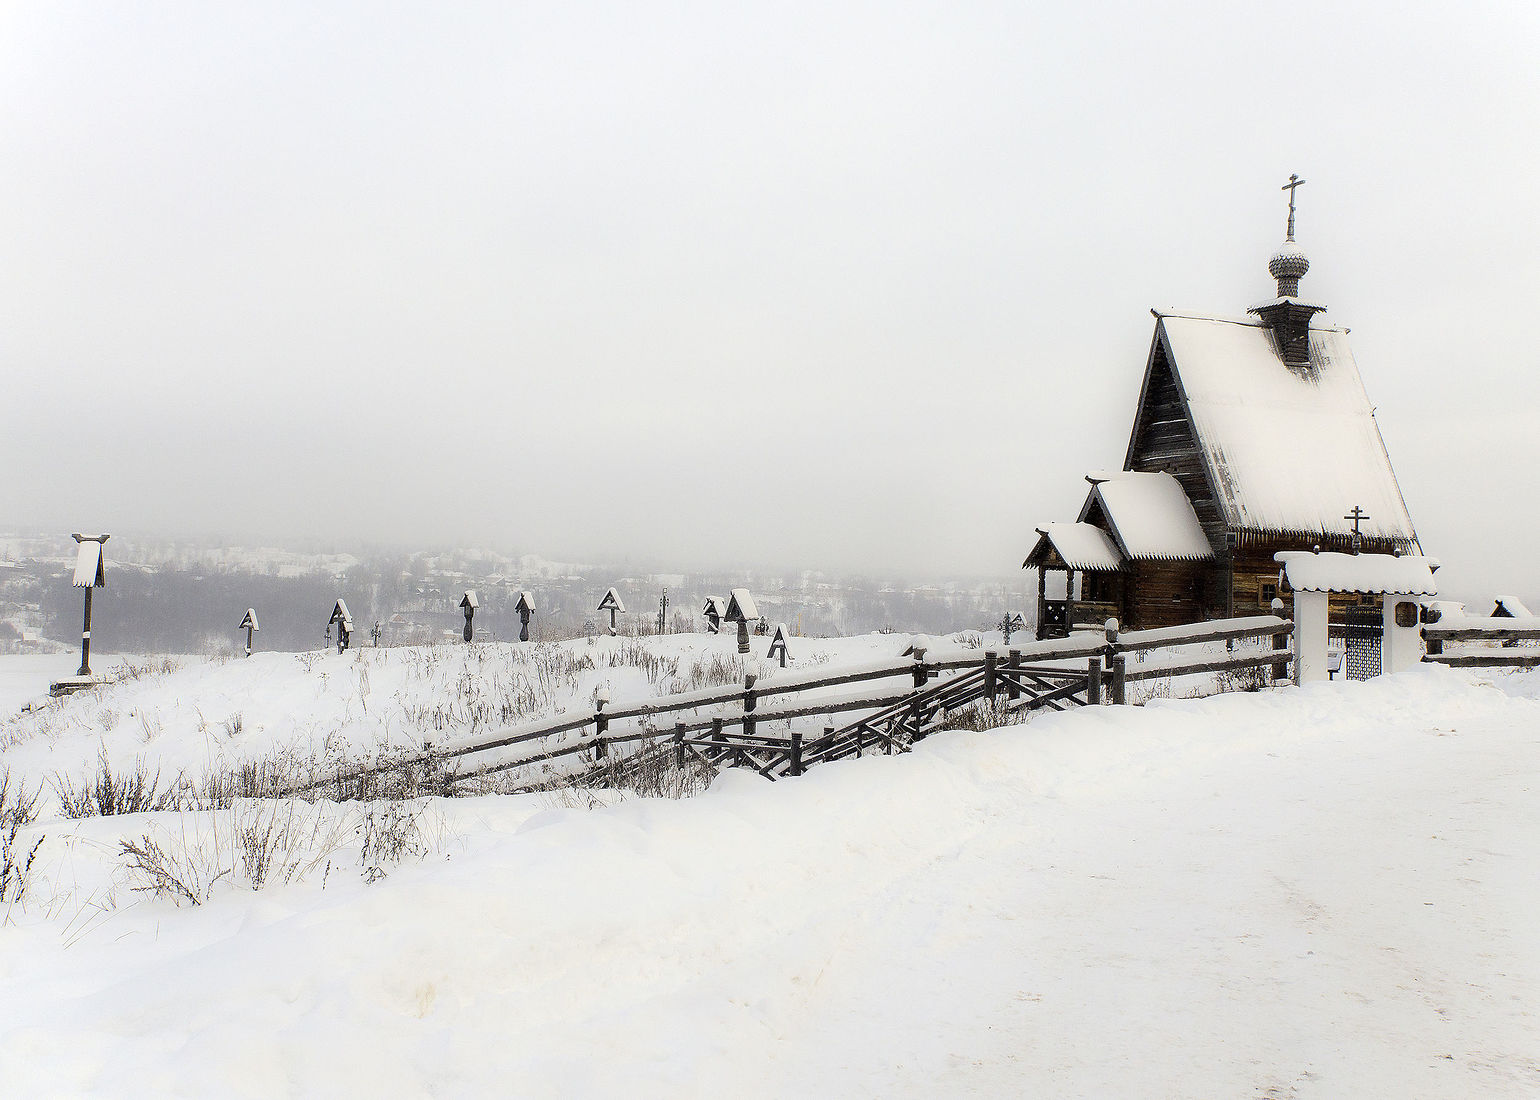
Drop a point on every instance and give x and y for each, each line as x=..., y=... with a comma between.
x=90, y=574
x=1252, y=436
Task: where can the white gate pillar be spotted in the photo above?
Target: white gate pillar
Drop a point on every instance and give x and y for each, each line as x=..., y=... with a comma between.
x=1403, y=646
x=1310, y=637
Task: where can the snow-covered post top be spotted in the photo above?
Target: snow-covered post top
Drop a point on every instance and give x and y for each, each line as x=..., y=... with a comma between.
x=601, y=720
x=1280, y=641
x=749, y=702
x=1117, y=661
x=919, y=647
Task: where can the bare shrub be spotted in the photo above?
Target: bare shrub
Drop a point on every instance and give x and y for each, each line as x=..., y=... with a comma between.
x=389, y=833
x=1241, y=679
x=234, y=725
x=282, y=842
x=984, y=715
x=268, y=776
x=182, y=872
x=149, y=668
x=107, y=792
x=18, y=809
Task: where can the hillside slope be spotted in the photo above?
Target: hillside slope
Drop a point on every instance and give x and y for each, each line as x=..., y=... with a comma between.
x=1318, y=892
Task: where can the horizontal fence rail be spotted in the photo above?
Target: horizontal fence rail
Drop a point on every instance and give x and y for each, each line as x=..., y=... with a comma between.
x=1511, y=633
x=723, y=724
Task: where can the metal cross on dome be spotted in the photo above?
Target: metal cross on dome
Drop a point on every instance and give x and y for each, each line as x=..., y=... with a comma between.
x=1294, y=181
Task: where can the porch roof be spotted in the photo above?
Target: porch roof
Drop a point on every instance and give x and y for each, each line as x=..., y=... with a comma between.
x=1081, y=546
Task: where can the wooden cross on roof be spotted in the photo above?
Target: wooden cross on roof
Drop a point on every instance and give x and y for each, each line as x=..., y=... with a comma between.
x=1294, y=181
x=1357, y=515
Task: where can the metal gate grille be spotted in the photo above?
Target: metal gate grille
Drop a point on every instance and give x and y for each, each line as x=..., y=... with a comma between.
x=1365, y=628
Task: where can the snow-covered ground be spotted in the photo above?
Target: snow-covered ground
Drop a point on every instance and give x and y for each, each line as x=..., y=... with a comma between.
x=1324, y=892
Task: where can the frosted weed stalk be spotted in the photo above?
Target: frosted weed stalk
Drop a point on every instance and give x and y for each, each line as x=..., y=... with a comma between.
x=17, y=810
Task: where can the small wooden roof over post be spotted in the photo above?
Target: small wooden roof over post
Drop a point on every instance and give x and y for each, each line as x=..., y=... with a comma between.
x=778, y=644
x=740, y=607
x=90, y=570
x=525, y=604
x=714, y=606
x=612, y=602
x=340, y=614
x=469, y=600
x=249, y=621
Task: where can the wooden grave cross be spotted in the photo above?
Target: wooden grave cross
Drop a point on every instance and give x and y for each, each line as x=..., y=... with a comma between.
x=614, y=606
x=525, y=606
x=248, y=624
x=343, y=619
x=778, y=644
x=713, y=613
x=1009, y=622
x=740, y=609
x=469, y=603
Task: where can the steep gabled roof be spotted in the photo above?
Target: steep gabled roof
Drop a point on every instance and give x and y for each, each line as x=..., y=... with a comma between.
x=740, y=606
x=1079, y=545
x=1149, y=516
x=1285, y=450
x=90, y=571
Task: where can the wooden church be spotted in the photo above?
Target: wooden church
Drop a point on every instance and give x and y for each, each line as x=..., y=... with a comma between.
x=1252, y=435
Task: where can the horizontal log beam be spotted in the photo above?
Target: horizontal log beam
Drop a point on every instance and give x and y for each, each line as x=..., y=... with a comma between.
x=1486, y=660
x=1218, y=664
x=1257, y=626
x=1489, y=631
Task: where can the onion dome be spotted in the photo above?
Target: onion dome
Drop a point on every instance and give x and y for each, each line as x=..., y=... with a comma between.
x=1288, y=265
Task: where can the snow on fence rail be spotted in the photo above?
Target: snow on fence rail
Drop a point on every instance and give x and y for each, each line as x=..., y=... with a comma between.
x=1508, y=631
x=1056, y=673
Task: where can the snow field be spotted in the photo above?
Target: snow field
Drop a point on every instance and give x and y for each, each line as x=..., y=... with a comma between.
x=1316, y=892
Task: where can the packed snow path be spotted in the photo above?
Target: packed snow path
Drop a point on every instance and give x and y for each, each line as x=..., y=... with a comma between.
x=1320, y=892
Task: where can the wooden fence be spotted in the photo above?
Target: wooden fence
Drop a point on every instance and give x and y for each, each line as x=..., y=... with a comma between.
x=896, y=702
x=1509, y=633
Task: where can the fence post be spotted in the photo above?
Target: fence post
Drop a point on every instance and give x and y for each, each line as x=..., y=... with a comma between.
x=749, y=703
x=991, y=677
x=828, y=739
x=1013, y=682
x=1435, y=646
x=1280, y=668
x=679, y=745
x=1118, y=661
x=718, y=739
x=601, y=722
x=796, y=753
x=1093, y=691
x=921, y=676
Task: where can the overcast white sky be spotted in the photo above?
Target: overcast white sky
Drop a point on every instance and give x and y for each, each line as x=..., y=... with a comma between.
x=830, y=285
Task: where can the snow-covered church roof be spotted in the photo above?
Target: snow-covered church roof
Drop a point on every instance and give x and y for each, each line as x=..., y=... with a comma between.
x=1288, y=450
x=1080, y=545
x=1150, y=517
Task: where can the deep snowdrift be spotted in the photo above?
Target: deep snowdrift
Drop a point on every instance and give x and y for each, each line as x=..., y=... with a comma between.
x=1318, y=892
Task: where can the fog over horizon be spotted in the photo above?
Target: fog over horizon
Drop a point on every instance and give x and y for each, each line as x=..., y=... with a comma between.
x=846, y=287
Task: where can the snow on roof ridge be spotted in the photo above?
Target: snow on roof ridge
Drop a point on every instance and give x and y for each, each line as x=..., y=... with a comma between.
x=1248, y=322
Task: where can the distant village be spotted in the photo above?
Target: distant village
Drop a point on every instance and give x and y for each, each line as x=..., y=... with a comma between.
x=188, y=597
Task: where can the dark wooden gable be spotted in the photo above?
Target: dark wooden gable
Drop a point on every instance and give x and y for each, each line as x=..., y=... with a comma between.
x=1164, y=439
